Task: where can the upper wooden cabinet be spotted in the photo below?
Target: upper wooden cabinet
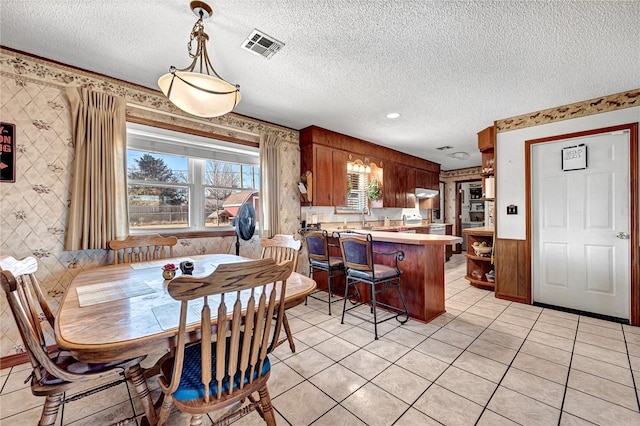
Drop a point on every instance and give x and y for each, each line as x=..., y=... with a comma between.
x=329, y=168
x=326, y=153
x=486, y=139
x=322, y=166
x=427, y=180
x=389, y=181
x=340, y=185
x=407, y=197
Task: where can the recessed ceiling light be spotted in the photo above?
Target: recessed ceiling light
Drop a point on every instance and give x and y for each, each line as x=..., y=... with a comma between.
x=393, y=115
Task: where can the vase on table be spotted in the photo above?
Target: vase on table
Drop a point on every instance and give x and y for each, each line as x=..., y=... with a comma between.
x=168, y=274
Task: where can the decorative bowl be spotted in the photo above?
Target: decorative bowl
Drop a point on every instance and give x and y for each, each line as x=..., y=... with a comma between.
x=482, y=251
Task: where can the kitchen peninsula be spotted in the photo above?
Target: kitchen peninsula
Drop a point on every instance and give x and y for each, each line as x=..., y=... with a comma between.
x=422, y=270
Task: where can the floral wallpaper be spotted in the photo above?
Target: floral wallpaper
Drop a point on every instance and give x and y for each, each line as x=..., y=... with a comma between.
x=33, y=209
x=450, y=177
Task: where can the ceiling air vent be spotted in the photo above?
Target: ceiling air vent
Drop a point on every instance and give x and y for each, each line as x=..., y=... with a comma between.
x=262, y=44
x=442, y=148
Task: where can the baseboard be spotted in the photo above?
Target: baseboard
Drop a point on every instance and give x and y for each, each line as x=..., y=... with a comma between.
x=13, y=360
x=19, y=358
x=584, y=313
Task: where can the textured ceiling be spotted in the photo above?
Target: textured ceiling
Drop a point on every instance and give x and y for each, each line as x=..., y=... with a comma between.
x=449, y=68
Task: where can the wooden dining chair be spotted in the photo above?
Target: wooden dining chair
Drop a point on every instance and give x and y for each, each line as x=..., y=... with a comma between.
x=230, y=364
x=57, y=372
x=142, y=248
x=282, y=248
x=25, y=270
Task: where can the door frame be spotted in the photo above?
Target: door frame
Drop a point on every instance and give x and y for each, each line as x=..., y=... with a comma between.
x=634, y=208
x=458, y=248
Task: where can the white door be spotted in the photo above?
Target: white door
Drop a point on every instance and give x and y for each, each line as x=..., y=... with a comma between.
x=580, y=222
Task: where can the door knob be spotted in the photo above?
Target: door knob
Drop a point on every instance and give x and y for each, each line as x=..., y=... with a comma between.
x=622, y=235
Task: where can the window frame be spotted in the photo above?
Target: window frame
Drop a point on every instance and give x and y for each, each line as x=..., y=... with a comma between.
x=197, y=150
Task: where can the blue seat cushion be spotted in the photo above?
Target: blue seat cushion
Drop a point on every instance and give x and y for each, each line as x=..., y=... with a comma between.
x=191, y=386
x=382, y=272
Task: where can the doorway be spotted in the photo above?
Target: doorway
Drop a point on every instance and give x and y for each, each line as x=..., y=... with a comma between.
x=470, y=207
x=582, y=219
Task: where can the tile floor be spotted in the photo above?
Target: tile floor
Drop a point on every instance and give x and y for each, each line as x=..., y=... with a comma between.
x=485, y=362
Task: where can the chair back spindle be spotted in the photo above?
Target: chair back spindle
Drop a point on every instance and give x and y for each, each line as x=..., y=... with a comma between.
x=142, y=248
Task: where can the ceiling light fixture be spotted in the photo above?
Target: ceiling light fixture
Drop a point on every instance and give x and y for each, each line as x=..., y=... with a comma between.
x=393, y=115
x=460, y=155
x=197, y=91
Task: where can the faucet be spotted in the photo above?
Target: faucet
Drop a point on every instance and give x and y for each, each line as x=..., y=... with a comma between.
x=365, y=211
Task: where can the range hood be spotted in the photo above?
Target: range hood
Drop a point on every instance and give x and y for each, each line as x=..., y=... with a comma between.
x=425, y=193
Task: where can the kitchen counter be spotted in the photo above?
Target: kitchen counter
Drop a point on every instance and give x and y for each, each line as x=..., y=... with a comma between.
x=404, y=238
x=422, y=270
x=484, y=230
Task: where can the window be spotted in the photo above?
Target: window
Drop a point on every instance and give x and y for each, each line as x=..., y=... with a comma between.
x=357, y=182
x=187, y=183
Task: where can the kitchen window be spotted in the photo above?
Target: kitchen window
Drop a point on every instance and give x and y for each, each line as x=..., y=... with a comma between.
x=180, y=183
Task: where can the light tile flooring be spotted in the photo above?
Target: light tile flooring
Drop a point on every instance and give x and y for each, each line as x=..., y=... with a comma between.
x=485, y=362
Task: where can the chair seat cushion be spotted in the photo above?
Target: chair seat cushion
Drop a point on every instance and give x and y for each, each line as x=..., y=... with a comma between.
x=64, y=360
x=382, y=272
x=191, y=386
x=334, y=262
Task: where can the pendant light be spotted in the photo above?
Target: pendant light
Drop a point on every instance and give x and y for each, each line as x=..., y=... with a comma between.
x=198, y=89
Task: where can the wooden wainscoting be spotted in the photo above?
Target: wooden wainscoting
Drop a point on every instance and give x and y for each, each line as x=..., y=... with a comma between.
x=513, y=270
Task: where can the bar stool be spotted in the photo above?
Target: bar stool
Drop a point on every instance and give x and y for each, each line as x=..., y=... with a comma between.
x=320, y=260
x=357, y=253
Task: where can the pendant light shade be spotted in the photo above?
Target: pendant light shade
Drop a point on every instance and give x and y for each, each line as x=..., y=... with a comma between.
x=199, y=94
x=203, y=93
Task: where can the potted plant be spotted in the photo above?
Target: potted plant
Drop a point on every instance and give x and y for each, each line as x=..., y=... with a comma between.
x=374, y=192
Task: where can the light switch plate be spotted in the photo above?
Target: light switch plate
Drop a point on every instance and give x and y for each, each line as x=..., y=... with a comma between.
x=512, y=209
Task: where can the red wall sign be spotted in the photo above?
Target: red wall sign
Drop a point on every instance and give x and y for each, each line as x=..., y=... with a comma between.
x=7, y=152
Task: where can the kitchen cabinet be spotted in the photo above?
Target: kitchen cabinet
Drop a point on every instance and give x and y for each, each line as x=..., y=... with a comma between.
x=340, y=185
x=486, y=143
x=326, y=153
x=426, y=179
x=478, y=265
x=405, y=187
x=329, y=168
x=323, y=176
x=389, y=181
x=486, y=139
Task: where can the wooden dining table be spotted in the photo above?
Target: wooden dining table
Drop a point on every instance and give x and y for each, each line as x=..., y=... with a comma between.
x=117, y=312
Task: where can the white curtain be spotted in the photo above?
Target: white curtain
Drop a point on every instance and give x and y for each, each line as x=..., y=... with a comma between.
x=98, y=209
x=269, y=185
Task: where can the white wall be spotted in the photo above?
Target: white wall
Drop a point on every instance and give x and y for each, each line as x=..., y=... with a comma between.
x=510, y=182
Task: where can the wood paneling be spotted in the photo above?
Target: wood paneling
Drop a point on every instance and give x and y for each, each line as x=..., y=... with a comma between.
x=318, y=135
x=513, y=277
